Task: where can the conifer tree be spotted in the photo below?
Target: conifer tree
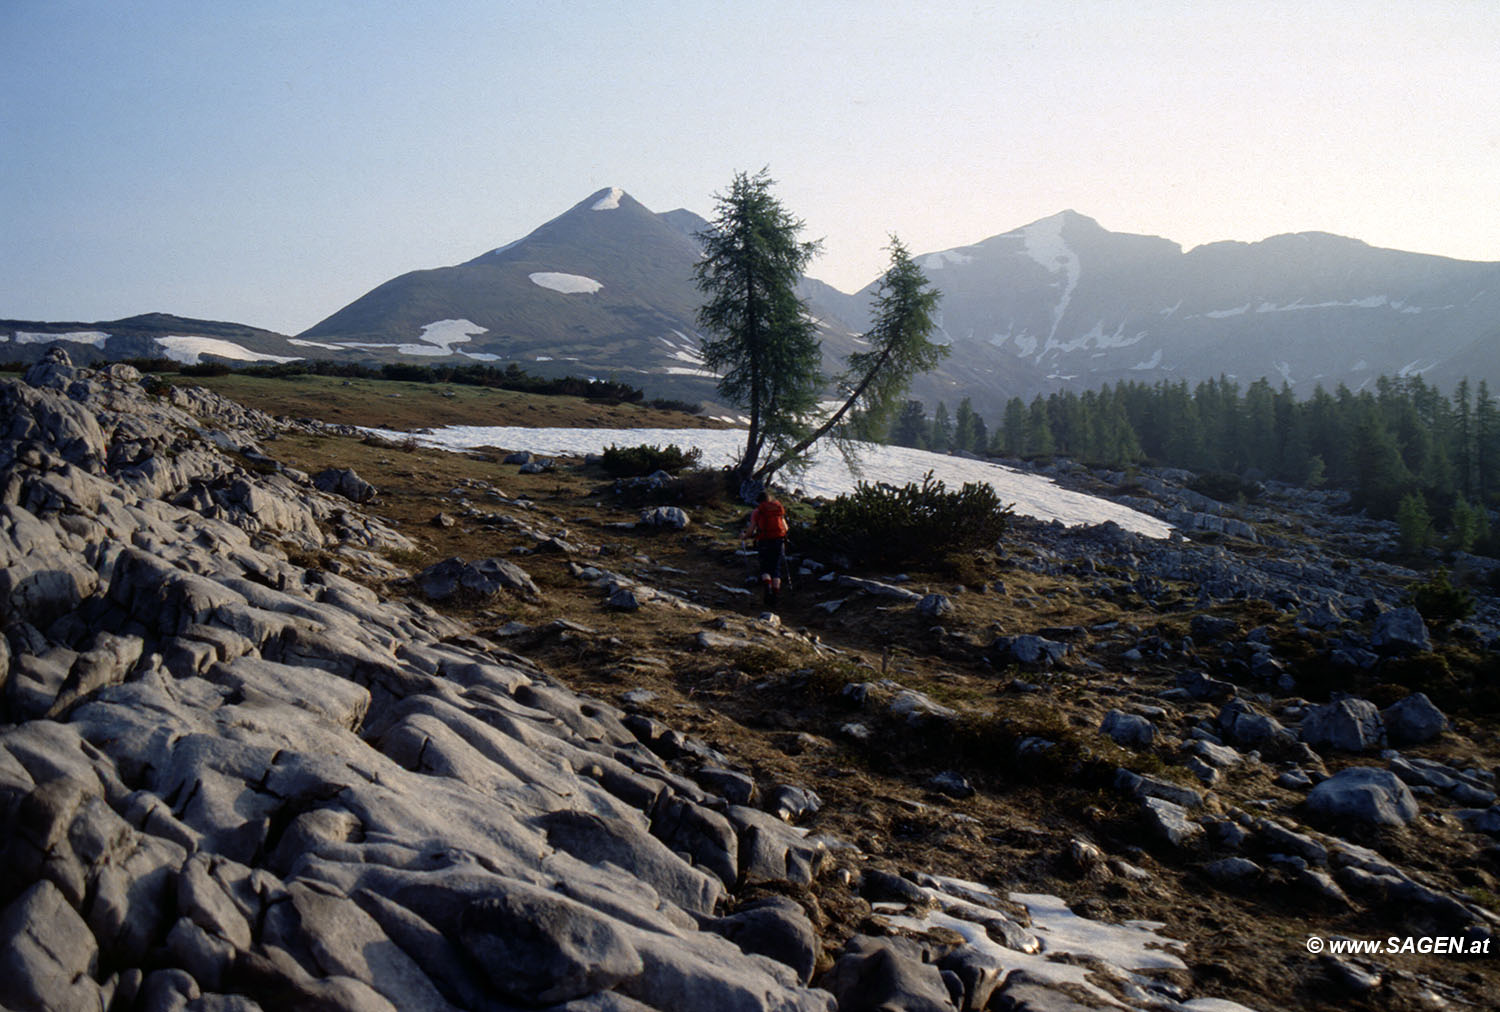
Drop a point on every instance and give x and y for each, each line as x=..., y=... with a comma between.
x=910, y=427
x=963, y=425
x=1012, y=434
x=942, y=429
x=877, y=380
x=760, y=337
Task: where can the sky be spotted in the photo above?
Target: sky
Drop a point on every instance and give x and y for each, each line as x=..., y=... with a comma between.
x=269, y=162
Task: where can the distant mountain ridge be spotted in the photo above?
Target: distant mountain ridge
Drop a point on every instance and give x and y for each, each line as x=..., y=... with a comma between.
x=1062, y=302
x=607, y=289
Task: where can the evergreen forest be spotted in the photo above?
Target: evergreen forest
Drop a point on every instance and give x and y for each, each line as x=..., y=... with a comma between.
x=1401, y=447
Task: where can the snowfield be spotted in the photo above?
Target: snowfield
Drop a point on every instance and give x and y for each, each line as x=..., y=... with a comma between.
x=189, y=349
x=1032, y=495
x=93, y=337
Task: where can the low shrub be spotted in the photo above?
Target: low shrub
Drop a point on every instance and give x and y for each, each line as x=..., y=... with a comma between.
x=885, y=525
x=201, y=369
x=630, y=461
x=1439, y=601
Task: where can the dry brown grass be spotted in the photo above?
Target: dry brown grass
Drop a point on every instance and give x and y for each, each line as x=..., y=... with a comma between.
x=391, y=404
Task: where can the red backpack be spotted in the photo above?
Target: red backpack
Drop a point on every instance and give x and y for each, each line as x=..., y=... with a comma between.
x=770, y=520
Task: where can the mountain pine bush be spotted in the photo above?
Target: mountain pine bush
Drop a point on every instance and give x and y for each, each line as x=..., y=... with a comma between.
x=630, y=461
x=886, y=525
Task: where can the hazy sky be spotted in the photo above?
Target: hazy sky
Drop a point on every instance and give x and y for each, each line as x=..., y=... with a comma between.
x=268, y=162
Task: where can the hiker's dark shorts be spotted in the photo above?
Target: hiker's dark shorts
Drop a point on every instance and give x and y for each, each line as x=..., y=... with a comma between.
x=771, y=551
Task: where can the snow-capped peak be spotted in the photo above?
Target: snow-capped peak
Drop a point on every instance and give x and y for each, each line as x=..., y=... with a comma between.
x=610, y=201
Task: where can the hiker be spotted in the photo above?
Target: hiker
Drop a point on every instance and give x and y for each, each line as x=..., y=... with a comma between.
x=768, y=525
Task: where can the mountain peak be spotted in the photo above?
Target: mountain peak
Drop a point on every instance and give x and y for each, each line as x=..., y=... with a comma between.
x=607, y=199
x=1067, y=217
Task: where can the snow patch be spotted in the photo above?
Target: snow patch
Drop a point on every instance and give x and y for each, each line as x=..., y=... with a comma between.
x=1368, y=302
x=437, y=339
x=827, y=474
x=610, y=201
x=1150, y=363
x=1285, y=368
x=568, y=284
x=1123, y=948
x=1219, y=314
x=542, y=358
x=480, y=356
x=189, y=349
x=90, y=337
x=300, y=343
x=1045, y=244
x=1098, y=338
x=937, y=261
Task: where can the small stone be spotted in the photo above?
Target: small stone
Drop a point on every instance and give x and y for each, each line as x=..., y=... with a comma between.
x=1170, y=822
x=1233, y=870
x=953, y=784
x=1128, y=729
x=1294, y=780
x=624, y=599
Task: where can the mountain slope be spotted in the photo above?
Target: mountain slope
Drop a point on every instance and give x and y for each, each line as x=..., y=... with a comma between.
x=604, y=287
x=151, y=335
x=1064, y=302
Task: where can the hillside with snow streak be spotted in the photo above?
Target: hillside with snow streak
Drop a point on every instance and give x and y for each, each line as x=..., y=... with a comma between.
x=828, y=475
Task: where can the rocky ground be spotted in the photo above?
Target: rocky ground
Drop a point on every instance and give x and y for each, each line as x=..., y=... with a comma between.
x=298, y=720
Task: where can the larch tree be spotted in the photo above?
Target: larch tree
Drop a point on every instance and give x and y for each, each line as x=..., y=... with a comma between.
x=764, y=343
x=876, y=382
x=760, y=337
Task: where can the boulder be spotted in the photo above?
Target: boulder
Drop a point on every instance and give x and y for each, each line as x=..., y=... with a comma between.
x=539, y=947
x=776, y=927
x=670, y=517
x=935, y=606
x=875, y=975
x=485, y=578
x=1247, y=727
x=1347, y=725
x=1363, y=794
x=48, y=958
x=1028, y=650
x=1201, y=687
x=1413, y=720
x=345, y=482
x=1401, y=630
